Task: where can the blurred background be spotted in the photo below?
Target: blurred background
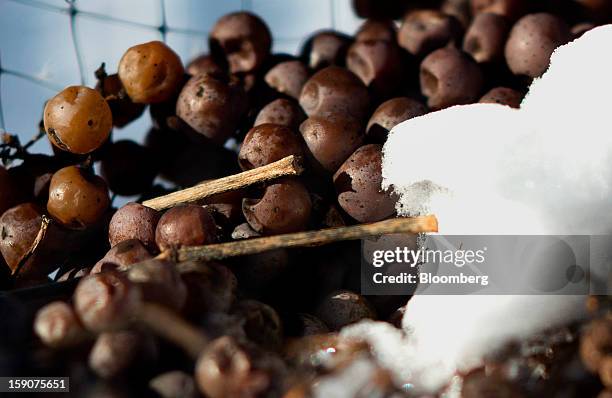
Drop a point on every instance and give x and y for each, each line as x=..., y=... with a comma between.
x=46, y=45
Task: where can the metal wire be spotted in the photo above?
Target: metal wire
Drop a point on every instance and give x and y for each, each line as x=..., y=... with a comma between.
x=72, y=10
x=75, y=13
x=163, y=28
x=1, y=110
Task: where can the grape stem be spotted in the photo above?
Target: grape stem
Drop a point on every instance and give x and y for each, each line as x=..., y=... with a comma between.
x=11, y=147
x=167, y=324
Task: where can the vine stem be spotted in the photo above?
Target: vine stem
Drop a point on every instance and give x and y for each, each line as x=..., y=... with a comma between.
x=172, y=327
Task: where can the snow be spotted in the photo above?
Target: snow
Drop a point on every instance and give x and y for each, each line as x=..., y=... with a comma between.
x=487, y=168
x=490, y=169
x=346, y=383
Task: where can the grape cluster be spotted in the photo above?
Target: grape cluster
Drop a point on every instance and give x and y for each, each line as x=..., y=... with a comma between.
x=263, y=324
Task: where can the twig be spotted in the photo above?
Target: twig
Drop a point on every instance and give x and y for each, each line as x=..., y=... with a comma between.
x=34, y=139
x=311, y=238
x=167, y=324
x=257, y=245
x=288, y=166
x=175, y=329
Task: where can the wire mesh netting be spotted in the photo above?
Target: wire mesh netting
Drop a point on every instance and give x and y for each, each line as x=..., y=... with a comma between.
x=46, y=45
